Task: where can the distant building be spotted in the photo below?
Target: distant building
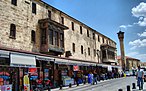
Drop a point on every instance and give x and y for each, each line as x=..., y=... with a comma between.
x=143, y=64
x=131, y=63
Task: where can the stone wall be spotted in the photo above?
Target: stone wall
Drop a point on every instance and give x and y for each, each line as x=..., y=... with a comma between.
x=25, y=21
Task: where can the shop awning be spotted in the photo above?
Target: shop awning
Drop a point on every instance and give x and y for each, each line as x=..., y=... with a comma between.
x=61, y=61
x=22, y=60
x=116, y=66
x=93, y=64
x=103, y=65
x=86, y=64
x=71, y=62
x=4, y=54
x=44, y=58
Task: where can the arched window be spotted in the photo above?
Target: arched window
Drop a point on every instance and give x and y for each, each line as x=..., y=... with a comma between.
x=13, y=31
x=33, y=36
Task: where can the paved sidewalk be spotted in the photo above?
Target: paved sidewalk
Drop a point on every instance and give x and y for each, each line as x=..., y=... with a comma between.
x=75, y=87
x=137, y=89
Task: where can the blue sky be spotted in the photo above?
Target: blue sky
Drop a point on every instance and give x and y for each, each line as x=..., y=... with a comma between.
x=108, y=17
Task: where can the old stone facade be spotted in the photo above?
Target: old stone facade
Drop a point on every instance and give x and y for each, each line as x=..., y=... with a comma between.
x=131, y=63
x=85, y=40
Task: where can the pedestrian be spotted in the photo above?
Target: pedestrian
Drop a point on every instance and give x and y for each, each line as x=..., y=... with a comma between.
x=95, y=77
x=140, y=77
x=90, y=78
x=91, y=74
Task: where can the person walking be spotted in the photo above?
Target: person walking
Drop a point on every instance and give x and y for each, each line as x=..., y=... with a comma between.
x=140, y=77
x=95, y=77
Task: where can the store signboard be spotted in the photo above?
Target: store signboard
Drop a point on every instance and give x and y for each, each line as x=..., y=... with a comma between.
x=32, y=70
x=33, y=73
x=109, y=68
x=76, y=68
x=22, y=60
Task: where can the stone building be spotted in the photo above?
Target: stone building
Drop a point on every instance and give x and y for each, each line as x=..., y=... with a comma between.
x=143, y=64
x=131, y=63
x=35, y=34
x=23, y=23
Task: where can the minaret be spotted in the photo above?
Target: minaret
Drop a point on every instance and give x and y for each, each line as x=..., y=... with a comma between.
x=121, y=39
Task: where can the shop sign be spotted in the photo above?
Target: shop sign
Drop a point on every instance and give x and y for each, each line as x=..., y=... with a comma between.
x=33, y=73
x=32, y=70
x=109, y=68
x=76, y=68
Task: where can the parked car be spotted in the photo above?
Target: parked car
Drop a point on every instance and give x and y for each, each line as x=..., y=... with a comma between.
x=130, y=72
x=127, y=73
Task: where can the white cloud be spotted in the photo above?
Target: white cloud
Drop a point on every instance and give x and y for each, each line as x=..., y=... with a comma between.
x=137, y=43
x=137, y=55
x=140, y=12
x=142, y=22
x=133, y=48
x=132, y=54
x=141, y=18
x=142, y=34
x=125, y=26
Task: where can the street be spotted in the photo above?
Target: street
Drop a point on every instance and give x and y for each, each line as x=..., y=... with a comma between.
x=107, y=85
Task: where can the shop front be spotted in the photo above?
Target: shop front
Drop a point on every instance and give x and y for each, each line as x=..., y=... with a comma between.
x=26, y=65
x=45, y=66
x=9, y=76
x=64, y=76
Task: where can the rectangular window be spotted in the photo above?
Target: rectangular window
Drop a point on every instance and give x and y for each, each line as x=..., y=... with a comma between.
x=72, y=25
x=34, y=8
x=14, y=2
x=104, y=54
x=98, y=38
x=94, y=52
x=81, y=49
x=44, y=36
x=51, y=37
x=73, y=47
x=109, y=43
x=12, y=31
x=88, y=51
x=87, y=33
x=103, y=40
x=49, y=14
x=106, y=41
x=33, y=36
x=56, y=38
x=93, y=35
x=61, y=40
x=80, y=29
x=62, y=20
